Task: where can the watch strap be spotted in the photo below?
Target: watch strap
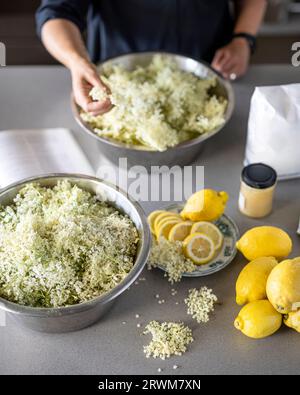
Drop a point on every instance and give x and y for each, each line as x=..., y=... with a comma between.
x=250, y=38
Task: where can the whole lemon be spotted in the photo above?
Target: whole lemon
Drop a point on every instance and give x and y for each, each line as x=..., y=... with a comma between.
x=251, y=283
x=265, y=241
x=292, y=320
x=283, y=286
x=258, y=319
x=205, y=205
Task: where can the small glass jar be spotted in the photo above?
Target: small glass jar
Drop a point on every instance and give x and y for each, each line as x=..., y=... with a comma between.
x=258, y=184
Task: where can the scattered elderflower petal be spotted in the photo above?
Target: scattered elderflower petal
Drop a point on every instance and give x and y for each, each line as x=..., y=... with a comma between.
x=169, y=255
x=168, y=338
x=200, y=303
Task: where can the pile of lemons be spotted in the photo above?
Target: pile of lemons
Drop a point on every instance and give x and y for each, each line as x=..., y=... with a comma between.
x=269, y=290
x=200, y=238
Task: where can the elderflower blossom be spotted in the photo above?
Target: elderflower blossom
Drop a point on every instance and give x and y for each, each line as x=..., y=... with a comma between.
x=200, y=303
x=98, y=93
x=168, y=338
x=170, y=257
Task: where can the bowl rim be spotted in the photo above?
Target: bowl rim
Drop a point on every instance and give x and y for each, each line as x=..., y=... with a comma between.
x=185, y=144
x=139, y=264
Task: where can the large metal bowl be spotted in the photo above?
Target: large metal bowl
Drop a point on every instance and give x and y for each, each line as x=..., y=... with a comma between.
x=75, y=317
x=183, y=153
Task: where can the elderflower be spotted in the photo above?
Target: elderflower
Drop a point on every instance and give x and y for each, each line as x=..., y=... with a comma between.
x=62, y=246
x=168, y=338
x=98, y=93
x=170, y=257
x=200, y=303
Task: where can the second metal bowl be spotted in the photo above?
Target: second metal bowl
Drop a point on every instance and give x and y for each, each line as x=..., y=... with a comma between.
x=183, y=153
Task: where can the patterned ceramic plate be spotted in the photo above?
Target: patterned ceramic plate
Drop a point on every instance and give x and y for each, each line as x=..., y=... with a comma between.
x=226, y=254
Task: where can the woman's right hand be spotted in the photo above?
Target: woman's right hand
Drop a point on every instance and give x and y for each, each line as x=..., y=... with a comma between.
x=84, y=78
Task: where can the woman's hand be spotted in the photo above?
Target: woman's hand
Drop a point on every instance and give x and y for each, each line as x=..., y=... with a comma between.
x=84, y=78
x=232, y=60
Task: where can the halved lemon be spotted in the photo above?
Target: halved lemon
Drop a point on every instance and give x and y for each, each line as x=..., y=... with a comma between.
x=152, y=217
x=180, y=231
x=210, y=230
x=165, y=216
x=165, y=228
x=199, y=248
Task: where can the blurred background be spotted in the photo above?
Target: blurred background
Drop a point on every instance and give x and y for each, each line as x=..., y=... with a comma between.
x=17, y=30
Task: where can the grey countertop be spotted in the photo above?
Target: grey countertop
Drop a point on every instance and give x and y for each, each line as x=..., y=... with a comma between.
x=35, y=97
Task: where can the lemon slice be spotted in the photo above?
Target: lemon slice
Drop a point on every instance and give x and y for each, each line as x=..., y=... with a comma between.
x=165, y=216
x=152, y=217
x=199, y=248
x=210, y=230
x=180, y=231
x=165, y=228
x=163, y=221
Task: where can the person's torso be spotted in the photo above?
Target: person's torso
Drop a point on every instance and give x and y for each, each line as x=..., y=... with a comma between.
x=191, y=27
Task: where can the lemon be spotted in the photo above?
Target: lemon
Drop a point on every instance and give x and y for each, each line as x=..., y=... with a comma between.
x=292, y=320
x=265, y=241
x=209, y=230
x=180, y=231
x=283, y=286
x=164, y=220
x=205, y=205
x=162, y=216
x=251, y=283
x=258, y=319
x=165, y=228
x=152, y=217
x=199, y=248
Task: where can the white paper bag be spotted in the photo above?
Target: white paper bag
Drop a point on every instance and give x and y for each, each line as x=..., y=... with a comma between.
x=274, y=129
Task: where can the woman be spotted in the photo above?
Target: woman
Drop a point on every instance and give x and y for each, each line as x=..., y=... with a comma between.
x=203, y=29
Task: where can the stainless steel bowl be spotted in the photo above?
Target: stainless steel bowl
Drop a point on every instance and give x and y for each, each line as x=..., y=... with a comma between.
x=71, y=318
x=183, y=153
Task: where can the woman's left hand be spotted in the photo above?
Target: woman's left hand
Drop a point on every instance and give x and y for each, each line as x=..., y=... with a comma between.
x=232, y=60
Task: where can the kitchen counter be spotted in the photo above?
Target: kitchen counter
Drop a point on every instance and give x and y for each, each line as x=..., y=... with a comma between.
x=35, y=97
x=278, y=29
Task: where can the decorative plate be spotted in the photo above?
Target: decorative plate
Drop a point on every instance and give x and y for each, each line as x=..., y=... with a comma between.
x=227, y=252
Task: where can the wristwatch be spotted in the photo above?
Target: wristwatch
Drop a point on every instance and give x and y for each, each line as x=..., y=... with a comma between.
x=251, y=40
